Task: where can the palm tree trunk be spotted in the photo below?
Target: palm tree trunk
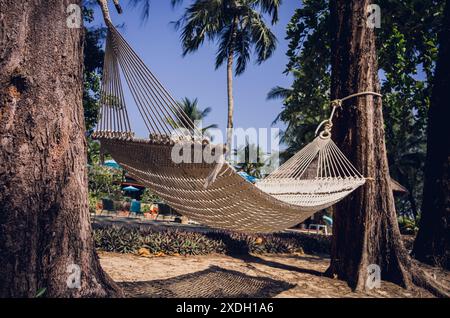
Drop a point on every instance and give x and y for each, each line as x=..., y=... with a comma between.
x=230, y=102
x=230, y=62
x=45, y=232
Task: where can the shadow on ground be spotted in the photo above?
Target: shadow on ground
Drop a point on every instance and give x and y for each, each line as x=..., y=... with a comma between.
x=249, y=259
x=214, y=282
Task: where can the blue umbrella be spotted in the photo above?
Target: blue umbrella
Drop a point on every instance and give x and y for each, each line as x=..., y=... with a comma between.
x=112, y=164
x=328, y=220
x=130, y=189
x=247, y=177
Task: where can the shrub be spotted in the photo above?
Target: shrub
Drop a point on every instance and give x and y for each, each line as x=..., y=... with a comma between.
x=92, y=204
x=407, y=225
x=171, y=242
x=104, y=182
x=116, y=239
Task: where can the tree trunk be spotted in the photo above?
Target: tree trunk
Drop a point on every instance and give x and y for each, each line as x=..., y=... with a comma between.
x=432, y=244
x=230, y=62
x=365, y=228
x=230, y=102
x=45, y=232
x=412, y=201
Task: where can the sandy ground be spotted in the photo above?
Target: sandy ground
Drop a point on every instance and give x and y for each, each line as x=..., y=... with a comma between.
x=225, y=276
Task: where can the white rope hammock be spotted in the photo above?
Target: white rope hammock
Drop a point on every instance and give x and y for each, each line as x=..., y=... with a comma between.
x=213, y=194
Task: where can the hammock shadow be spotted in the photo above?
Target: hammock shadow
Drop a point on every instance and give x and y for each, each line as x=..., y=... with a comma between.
x=239, y=249
x=258, y=260
x=214, y=282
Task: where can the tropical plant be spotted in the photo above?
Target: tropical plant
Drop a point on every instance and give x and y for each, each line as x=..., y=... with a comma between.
x=408, y=225
x=238, y=27
x=250, y=159
x=194, y=113
x=178, y=242
x=93, y=67
x=305, y=103
x=104, y=181
x=149, y=197
x=407, y=52
x=145, y=7
x=92, y=203
x=432, y=244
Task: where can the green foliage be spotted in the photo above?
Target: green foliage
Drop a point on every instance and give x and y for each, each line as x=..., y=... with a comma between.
x=118, y=240
x=104, y=182
x=306, y=104
x=146, y=207
x=93, y=66
x=40, y=292
x=406, y=101
x=170, y=242
x=407, y=48
x=92, y=203
x=237, y=26
x=93, y=152
x=247, y=164
x=149, y=197
x=194, y=113
x=408, y=225
x=183, y=243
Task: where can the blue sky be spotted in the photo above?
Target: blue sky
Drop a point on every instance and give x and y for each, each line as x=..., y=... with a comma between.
x=194, y=76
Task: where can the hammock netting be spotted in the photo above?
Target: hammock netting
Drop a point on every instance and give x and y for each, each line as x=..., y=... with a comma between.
x=211, y=193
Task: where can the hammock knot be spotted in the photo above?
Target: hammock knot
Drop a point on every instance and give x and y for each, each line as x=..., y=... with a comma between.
x=337, y=103
x=328, y=126
x=326, y=133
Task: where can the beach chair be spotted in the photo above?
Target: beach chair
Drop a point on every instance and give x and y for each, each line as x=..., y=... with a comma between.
x=108, y=206
x=135, y=209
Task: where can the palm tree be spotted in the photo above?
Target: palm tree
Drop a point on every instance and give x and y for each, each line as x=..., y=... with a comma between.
x=145, y=6
x=194, y=113
x=238, y=26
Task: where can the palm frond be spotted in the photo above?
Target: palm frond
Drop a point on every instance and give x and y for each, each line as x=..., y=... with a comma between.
x=193, y=112
x=262, y=37
x=174, y=3
x=279, y=92
x=242, y=50
x=271, y=7
x=224, y=46
x=202, y=20
x=144, y=5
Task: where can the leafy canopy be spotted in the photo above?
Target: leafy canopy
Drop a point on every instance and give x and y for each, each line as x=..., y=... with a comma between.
x=238, y=26
x=407, y=51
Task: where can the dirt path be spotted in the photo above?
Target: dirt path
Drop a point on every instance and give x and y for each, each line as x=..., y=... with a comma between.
x=225, y=276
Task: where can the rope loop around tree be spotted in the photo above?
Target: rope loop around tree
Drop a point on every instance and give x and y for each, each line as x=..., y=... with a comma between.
x=335, y=104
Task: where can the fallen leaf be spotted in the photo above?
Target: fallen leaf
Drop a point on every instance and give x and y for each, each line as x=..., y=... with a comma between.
x=144, y=252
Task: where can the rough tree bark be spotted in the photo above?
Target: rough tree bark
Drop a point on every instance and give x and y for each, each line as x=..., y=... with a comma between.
x=230, y=60
x=365, y=228
x=432, y=244
x=44, y=217
x=230, y=63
